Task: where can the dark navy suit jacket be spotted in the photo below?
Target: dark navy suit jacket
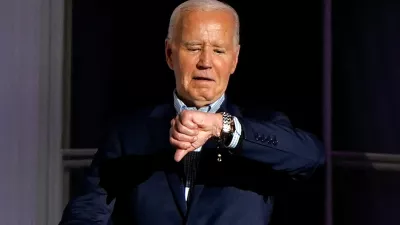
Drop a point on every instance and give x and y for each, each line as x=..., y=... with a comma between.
x=134, y=179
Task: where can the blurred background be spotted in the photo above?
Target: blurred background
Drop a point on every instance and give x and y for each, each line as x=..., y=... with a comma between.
x=68, y=66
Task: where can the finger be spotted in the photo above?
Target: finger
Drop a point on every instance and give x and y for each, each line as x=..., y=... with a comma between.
x=182, y=137
x=189, y=123
x=186, y=118
x=179, y=144
x=198, y=120
x=179, y=154
x=185, y=130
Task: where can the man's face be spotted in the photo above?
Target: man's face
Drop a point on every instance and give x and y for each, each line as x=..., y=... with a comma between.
x=203, y=55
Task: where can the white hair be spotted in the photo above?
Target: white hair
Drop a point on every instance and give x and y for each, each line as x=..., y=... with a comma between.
x=204, y=5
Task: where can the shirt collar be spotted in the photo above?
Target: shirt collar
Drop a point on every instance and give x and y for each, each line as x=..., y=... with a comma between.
x=212, y=108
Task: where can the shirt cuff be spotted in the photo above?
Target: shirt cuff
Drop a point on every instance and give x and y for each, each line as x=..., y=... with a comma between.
x=236, y=134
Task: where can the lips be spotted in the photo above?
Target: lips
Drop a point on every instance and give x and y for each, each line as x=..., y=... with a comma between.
x=201, y=78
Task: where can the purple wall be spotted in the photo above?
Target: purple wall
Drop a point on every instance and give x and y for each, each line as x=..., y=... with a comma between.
x=30, y=118
x=19, y=110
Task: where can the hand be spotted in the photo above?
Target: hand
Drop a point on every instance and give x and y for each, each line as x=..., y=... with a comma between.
x=191, y=129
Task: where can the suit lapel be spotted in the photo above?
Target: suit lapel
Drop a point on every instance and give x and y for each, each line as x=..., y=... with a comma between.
x=160, y=128
x=177, y=188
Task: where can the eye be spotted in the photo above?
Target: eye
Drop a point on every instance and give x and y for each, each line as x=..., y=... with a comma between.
x=194, y=49
x=219, y=51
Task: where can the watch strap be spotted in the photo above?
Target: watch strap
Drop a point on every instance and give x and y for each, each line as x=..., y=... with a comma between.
x=227, y=129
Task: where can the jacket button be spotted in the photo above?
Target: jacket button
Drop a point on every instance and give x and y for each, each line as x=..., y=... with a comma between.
x=274, y=141
x=257, y=136
x=269, y=140
x=262, y=138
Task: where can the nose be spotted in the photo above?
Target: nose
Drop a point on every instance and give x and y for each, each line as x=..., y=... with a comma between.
x=205, y=61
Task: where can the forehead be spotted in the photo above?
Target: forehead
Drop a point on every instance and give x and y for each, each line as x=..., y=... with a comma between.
x=216, y=25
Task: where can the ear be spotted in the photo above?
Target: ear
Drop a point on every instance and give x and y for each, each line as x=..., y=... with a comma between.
x=168, y=54
x=235, y=60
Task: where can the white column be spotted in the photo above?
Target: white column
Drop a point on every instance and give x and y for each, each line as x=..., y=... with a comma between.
x=30, y=75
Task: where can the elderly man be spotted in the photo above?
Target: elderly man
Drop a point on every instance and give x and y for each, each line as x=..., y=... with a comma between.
x=199, y=160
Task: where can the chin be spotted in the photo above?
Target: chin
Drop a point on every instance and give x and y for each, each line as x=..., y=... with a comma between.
x=203, y=96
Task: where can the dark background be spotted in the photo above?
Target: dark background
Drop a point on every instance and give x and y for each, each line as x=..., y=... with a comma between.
x=118, y=65
x=366, y=75
x=366, y=109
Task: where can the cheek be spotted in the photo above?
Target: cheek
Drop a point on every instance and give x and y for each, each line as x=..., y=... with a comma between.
x=186, y=67
x=223, y=68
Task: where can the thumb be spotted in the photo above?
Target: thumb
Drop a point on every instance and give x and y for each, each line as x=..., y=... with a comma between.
x=179, y=154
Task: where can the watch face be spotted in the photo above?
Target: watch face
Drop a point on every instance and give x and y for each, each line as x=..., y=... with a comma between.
x=226, y=128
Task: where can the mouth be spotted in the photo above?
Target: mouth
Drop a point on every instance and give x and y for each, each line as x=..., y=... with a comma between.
x=202, y=78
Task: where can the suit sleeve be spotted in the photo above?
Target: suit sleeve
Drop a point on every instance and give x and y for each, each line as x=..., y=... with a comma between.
x=283, y=148
x=94, y=205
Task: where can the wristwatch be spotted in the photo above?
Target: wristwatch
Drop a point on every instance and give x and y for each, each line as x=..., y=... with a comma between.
x=228, y=127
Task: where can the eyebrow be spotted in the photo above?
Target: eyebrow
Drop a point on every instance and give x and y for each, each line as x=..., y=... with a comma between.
x=196, y=43
x=191, y=43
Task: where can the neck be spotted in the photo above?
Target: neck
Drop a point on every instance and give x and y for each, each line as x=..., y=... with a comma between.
x=196, y=103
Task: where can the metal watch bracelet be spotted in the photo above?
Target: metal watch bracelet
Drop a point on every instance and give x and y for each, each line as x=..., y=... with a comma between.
x=227, y=129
